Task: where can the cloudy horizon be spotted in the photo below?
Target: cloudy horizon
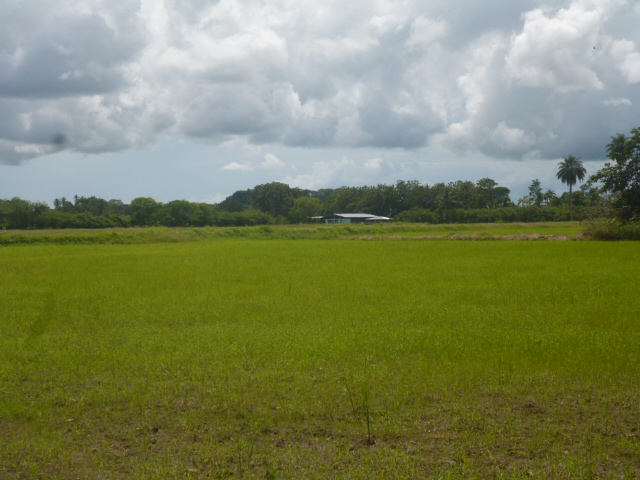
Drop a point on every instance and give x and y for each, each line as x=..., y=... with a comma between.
x=198, y=99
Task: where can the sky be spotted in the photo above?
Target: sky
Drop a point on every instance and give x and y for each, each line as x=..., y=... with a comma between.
x=196, y=99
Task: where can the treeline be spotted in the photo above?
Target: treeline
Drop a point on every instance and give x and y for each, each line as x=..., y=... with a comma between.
x=278, y=203
x=455, y=202
x=96, y=212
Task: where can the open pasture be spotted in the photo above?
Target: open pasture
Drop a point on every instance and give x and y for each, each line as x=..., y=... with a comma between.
x=238, y=358
x=480, y=231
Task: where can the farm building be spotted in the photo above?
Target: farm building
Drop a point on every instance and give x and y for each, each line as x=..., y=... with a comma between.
x=354, y=218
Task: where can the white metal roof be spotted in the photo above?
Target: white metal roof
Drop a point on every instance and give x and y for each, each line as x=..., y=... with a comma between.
x=354, y=215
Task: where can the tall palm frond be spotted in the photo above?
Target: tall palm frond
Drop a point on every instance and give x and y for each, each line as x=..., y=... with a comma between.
x=616, y=149
x=571, y=171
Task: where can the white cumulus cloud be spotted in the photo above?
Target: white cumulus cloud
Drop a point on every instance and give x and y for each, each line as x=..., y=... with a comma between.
x=272, y=162
x=628, y=59
x=235, y=166
x=556, y=50
x=508, y=79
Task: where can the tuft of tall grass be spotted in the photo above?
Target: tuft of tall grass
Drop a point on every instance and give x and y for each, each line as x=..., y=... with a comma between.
x=614, y=231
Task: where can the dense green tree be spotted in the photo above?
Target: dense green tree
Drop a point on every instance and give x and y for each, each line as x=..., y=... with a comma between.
x=237, y=202
x=143, y=211
x=535, y=193
x=592, y=195
x=440, y=196
x=409, y=194
x=343, y=200
x=501, y=197
x=464, y=194
x=231, y=205
x=379, y=200
x=274, y=198
x=321, y=194
x=303, y=209
x=23, y=214
x=63, y=205
x=575, y=200
x=490, y=195
x=622, y=179
x=535, y=196
x=115, y=206
x=549, y=197
x=180, y=213
x=484, y=196
x=95, y=205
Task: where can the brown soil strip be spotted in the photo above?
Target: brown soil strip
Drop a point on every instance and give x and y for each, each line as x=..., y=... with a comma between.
x=475, y=236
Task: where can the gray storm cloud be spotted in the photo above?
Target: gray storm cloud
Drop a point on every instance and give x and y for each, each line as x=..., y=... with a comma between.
x=507, y=79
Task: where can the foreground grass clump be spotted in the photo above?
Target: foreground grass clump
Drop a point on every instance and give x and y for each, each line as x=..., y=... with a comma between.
x=282, y=359
x=614, y=231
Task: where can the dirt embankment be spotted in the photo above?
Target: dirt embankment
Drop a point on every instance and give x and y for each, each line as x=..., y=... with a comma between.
x=475, y=236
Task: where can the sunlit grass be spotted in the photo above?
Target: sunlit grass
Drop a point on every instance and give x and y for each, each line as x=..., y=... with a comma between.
x=540, y=228
x=320, y=359
x=291, y=232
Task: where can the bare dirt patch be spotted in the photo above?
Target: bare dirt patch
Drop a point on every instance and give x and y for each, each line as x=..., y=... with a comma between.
x=475, y=236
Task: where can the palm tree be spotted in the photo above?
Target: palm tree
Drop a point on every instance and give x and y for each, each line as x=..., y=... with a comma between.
x=616, y=150
x=571, y=171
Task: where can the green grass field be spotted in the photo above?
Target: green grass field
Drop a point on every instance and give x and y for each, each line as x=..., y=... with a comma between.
x=236, y=358
x=483, y=231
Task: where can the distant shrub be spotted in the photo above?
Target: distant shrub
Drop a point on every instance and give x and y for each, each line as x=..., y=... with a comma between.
x=526, y=214
x=614, y=231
